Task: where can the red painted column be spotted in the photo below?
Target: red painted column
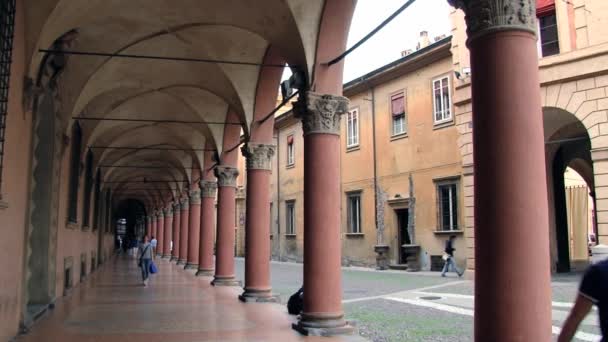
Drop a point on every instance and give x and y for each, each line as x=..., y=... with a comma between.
x=224, y=261
x=168, y=211
x=183, y=234
x=194, y=230
x=177, y=215
x=512, y=267
x=205, y=259
x=322, y=313
x=160, y=224
x=257, y=226
x=153, y=224
x=148, y=226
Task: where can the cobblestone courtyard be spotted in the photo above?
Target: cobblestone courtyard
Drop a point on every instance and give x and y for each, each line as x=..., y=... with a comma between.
x=402, y=306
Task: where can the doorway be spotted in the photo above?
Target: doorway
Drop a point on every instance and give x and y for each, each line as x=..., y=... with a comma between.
x=404, y=236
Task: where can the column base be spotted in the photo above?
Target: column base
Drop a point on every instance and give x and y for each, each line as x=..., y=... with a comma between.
x=191, y=266
x=225, y=281
x=309, y=325
x=205, y=272
x=166, y=256
x=181, y=261
x=173, y=258
x=259, y=296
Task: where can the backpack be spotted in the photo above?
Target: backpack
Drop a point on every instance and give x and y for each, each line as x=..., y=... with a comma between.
x=295, y=304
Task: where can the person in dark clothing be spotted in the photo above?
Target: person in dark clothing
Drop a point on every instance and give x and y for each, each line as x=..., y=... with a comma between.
x=593, y=290
x=448, y=256
x=295, y=304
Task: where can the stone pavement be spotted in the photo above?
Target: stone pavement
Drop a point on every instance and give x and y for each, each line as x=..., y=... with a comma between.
x=176, y=306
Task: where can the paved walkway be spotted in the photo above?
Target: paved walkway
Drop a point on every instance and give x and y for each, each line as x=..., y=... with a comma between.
x=176, y=306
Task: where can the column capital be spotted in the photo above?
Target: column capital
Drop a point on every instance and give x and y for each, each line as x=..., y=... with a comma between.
x=208, y=188
x=184, y=203
x=159, y=213
x=176, y=205
x=226, y=175
x=320, y=113
x=195, y=197
x=168, y=211
x=258, y=156
x=488, y=16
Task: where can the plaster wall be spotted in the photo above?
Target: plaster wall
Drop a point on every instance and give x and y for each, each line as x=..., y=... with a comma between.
x=14, y=193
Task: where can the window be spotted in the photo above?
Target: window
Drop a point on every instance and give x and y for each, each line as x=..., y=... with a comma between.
x=88, y=187
x=354, y=212
x=74, y=173
x=398, y=107
x=447, y=196
x=290, y=217
x=290, y=151
x=352, y=128
x=547, y=29
x=441, y=98
x=7, y=25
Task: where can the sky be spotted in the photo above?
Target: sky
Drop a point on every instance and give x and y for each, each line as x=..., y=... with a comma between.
x=400, y=34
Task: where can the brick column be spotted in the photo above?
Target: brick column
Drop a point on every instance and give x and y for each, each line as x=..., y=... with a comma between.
x=512, y=268
x=257, y=224
x=177, y=215
x=183, y=233
x=224, y=261
x=205, y=259
x=194, y=230
x=160, y=224
x=322, y=313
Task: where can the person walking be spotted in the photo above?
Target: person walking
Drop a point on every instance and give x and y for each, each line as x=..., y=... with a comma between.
x=592, y=290
x=145, y=258
x=448, y=256
x=154, y=242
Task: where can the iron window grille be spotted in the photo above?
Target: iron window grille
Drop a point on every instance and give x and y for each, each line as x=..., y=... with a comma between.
x=354, y=212
x=290, y=212
x=7, y=28
x=447, y=196
x=88, y=187
x=74, y=173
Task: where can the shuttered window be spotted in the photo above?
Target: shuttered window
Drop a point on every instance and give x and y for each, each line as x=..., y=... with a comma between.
x=398, y=106
x=74, y=173
x=352, y=128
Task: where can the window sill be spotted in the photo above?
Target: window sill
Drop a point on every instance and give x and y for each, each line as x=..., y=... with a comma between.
x=71, y=225
x=448, y=232
x=444, y=124
x=3, y=205
x=353, y=148
x=85, y=228
x=354, y=235
x=290, y=236
x=290, y=166
x=399, y=136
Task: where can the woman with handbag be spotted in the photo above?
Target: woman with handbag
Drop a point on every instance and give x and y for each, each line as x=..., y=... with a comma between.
x=145, y=259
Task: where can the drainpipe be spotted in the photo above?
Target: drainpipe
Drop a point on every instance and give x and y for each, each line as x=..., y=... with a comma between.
x=278, y=206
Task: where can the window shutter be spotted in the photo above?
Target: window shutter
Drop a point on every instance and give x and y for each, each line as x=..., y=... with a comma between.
x=398, y=104
x=544, y=7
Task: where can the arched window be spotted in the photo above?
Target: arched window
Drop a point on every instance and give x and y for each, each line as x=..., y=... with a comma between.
x=88, y=188
x=7, y=25
x=97, y=199
x=74, y=173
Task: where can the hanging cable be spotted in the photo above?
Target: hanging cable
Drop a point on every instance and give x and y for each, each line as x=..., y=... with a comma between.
x=372, y=33
x=284, y=102
x=156, y=121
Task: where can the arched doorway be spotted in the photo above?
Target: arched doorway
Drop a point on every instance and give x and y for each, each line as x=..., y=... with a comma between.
x=570, y=187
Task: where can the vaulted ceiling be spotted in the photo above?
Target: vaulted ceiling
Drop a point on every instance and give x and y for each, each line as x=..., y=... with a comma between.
x=155, y=89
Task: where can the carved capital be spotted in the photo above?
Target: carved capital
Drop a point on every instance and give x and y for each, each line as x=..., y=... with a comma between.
x=160, y=214
x=487, y=16
x=195, y=197
x=208, y=189
x=185, y=203
x=226, y=175
x=176, y=206
x=168, y=211
x=320, y=113
x=259, y=156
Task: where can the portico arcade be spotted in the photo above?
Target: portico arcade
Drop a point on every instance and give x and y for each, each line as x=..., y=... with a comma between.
x=160, y=94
